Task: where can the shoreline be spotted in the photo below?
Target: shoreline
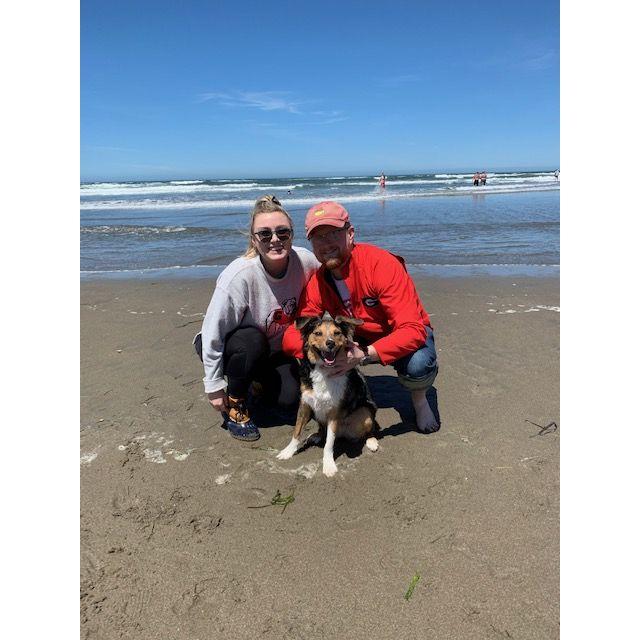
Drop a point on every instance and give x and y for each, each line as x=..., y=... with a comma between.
x=171, y=545
x=198, y=272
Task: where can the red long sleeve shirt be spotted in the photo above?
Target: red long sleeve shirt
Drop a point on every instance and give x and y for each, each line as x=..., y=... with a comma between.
x=382, y=294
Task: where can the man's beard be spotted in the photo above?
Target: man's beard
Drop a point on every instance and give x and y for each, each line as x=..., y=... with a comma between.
x=334, y=263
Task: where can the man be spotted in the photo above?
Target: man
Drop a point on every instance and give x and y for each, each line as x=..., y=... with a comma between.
x=366, y=282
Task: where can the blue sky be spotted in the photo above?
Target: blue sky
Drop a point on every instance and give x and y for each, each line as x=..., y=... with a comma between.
x=214, y=89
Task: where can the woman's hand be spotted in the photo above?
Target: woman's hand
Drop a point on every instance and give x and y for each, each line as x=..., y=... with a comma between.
x=218, y=400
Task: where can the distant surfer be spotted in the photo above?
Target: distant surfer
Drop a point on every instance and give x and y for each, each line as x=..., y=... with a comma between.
x=556, y=173
x=483, y=178
x=476, y=179
x=383, y=180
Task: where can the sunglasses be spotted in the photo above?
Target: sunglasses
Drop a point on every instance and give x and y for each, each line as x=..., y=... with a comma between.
x=282, y=233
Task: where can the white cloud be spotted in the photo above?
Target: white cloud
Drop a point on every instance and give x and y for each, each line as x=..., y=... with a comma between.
x=397, y=81
x=263, y=100
x=273, y=101
x=542, y=61
x=105, y=148
x=530, y=60
x=330, y=120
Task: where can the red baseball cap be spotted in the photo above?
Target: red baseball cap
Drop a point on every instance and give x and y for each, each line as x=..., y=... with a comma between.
x=327, y=212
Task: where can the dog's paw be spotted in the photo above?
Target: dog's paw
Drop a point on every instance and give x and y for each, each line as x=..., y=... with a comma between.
x=372, y=444
x=329, y=468
x=288, y=451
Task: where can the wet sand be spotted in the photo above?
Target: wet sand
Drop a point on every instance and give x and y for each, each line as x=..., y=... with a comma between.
x=170, y=547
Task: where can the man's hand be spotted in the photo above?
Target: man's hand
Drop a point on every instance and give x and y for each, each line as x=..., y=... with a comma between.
x=351, y=358
x=218, y=400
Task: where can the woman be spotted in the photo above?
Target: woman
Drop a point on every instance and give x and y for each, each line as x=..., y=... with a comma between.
x=255, y=299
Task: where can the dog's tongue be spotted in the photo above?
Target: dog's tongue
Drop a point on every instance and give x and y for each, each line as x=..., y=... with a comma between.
x=329, y=361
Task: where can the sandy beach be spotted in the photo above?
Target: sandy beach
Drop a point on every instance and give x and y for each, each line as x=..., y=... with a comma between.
x=172, y=548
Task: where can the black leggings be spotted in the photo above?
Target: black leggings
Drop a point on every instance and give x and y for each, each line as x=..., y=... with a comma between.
x=247, y=357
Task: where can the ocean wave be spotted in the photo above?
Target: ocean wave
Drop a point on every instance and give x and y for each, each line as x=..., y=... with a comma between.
x=441, y=180
x=373, y=182
x=375, y=194
x=433, y=181
x=524, y=179
x=453, y=175
x=119, y=185
x=496, y=188
x=186, y=188
x=497, y=174
x=132, y=229
x=152, y=269
x=345, y=178
x=143, y=190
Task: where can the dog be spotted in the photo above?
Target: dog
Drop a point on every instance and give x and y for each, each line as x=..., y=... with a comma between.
x=342, y=404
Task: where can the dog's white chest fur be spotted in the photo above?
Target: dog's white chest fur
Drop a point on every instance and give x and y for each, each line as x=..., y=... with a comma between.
x=327, y=393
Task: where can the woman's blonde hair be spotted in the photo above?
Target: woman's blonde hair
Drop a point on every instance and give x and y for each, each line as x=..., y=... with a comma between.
x=265, y=204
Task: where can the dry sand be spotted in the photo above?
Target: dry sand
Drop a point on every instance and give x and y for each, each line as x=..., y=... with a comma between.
x=170, y=548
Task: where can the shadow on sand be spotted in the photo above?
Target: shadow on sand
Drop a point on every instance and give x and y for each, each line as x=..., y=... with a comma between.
x=387, y=393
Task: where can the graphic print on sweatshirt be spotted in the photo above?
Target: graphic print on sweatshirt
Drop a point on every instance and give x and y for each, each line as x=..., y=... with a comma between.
x=281, y=317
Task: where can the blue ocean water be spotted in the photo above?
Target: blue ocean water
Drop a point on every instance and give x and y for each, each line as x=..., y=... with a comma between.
x=439, y=223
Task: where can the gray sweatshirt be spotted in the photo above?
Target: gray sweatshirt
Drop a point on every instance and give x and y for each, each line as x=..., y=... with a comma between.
x=247, y=296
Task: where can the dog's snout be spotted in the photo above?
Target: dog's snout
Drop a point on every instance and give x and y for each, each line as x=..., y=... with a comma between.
x=330, y=344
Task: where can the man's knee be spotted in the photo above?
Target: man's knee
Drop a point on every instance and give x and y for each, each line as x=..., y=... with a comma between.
x=423, y=363
x=419, y=370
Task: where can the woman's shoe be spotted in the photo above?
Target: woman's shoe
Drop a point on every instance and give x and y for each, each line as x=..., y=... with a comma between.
x=238, y=422
x=246, y=431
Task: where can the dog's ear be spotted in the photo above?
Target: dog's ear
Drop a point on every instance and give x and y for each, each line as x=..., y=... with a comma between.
x=348, y=325
x=356, y=322
x=303, y=321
